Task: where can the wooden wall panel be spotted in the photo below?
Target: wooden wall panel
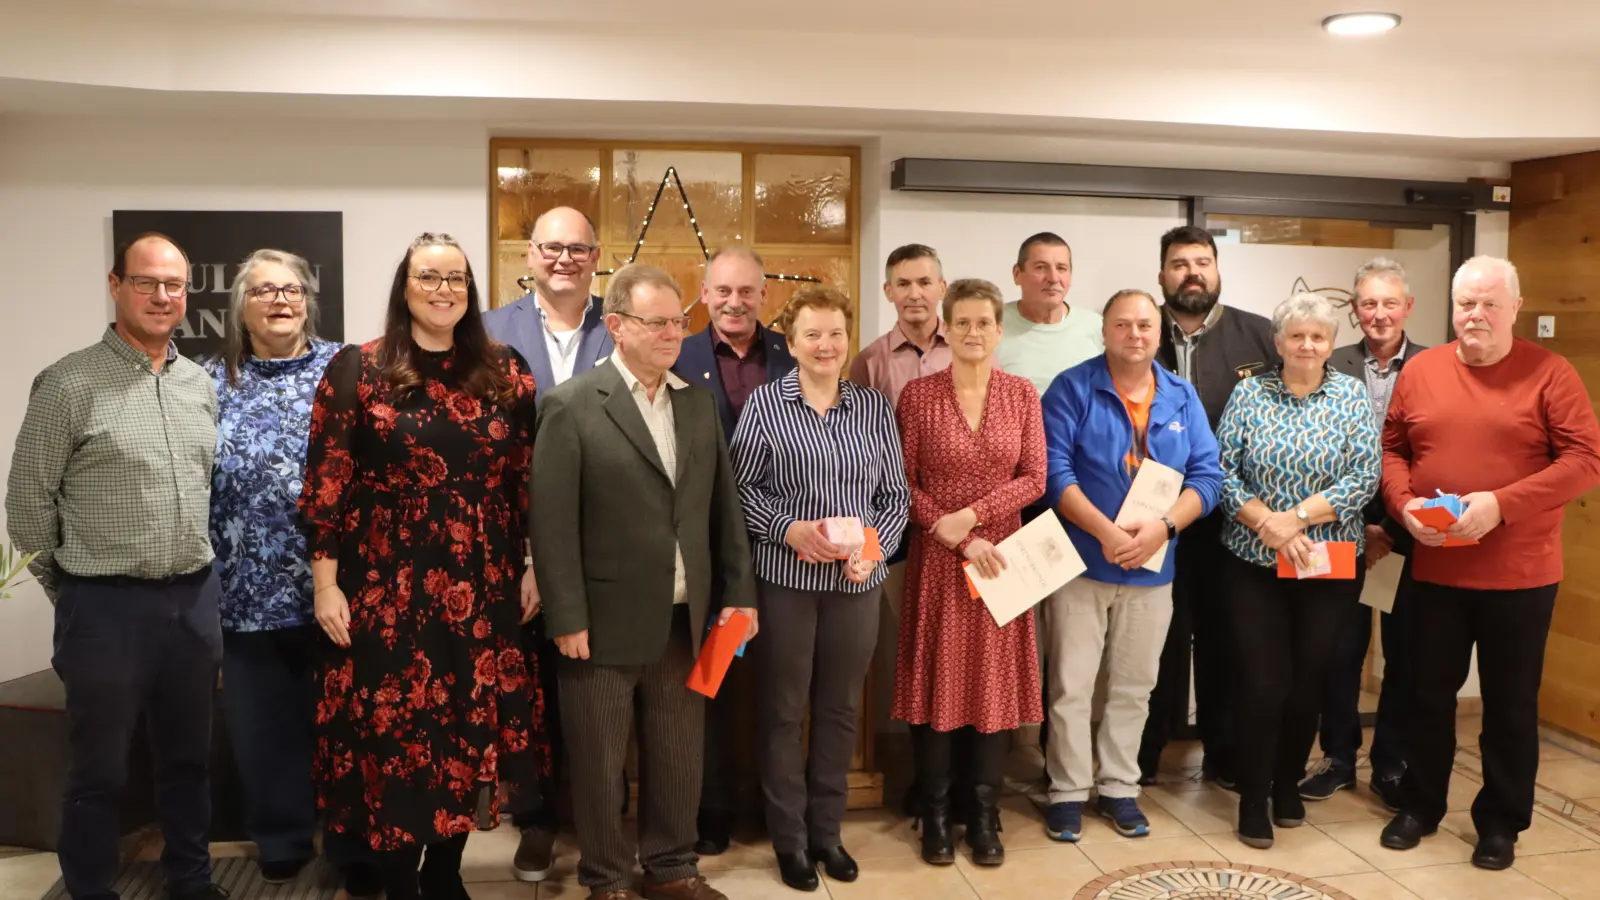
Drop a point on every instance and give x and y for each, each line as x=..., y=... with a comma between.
x=1555, y=242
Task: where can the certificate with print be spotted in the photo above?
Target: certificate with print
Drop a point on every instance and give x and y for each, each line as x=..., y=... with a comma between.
x=1039, y=558
x=1154, y=490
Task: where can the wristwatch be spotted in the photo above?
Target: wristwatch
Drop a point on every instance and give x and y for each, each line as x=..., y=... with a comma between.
x=1301, y=514
x=1172, y=530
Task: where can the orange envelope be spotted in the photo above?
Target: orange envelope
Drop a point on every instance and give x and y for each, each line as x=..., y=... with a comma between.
x=972, y=587
x=1438, y=518
x=716, y=654
x=1341, y=557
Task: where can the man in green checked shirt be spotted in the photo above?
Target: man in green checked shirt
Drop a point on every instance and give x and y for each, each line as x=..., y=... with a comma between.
x=111, y=483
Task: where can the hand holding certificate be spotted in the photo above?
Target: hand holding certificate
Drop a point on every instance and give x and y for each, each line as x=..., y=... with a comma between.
x=1039, y=558
x=1155, y=489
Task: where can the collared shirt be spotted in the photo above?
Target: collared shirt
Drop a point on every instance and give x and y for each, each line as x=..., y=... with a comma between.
x=1183, y=344
x=112, y=469
x=889, y=363
x=1281, y=449
x=1380, y=379
x=562, y=345
x=740, y=374
x=264, y=424
x=658, y=417
x=794, y=465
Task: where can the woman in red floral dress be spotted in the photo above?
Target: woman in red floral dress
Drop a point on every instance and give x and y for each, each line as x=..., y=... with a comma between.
x=974, y=450
x=415, y=503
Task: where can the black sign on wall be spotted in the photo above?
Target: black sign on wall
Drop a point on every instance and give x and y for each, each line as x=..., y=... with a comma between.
x=217, y=242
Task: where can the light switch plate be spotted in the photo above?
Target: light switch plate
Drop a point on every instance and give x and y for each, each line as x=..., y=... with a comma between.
x=1547, y=326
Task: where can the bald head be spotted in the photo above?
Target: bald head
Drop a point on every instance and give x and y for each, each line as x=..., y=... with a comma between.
x=563, y=257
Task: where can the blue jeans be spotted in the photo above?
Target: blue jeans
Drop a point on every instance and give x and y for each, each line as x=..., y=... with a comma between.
x=127, y=647
x=269, y=704
x=1341, y=719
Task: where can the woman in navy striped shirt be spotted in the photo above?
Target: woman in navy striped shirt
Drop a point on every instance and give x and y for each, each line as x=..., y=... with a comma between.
x=812, y=446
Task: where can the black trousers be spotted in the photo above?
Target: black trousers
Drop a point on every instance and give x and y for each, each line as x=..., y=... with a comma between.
x=817, y=653
x=719, y=788
x=535, y=805
x=268, y=703
x=127, y=647
x=1509, y=629
x=1201, y=620
x=1287, y=631
x=1341, y=734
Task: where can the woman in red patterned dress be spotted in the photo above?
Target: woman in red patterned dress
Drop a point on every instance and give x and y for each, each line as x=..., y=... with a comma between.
x=974, y=450
x=415, y=503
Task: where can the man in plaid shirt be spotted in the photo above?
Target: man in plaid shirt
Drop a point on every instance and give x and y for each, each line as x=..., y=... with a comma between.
x=110, y=484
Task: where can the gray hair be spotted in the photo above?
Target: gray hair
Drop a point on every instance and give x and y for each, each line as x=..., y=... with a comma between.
x=237, y=341
x=736, y=250
x=1488, y=265
x=1305, y=307
x=619, y=293
x=1381, y=267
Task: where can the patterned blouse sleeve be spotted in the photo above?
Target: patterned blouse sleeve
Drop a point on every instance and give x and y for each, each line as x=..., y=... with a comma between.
x=925, y=511
x=1363, y=458
x=1028, y=479
x=524, y=422
x=891, y=501
x=1231, y=446
x=330, y=465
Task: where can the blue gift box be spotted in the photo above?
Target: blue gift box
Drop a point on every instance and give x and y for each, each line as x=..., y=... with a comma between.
x=1450, y=502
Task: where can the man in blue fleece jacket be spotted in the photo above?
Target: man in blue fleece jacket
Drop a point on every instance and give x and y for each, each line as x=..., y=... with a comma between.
x=1103, y=419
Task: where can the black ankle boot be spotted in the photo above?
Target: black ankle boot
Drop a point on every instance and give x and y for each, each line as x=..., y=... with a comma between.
x=1288, y=810
x=1255, y=827
x=938, y=848
x=440, y=876
x=397, y=870
x=983, y=829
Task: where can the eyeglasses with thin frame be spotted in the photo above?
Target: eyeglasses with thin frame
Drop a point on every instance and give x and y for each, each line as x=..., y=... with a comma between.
x=552, y=251
x=144, y=284
x=432, y=281
x=657, y=323
x=292, y=294
x=981, y=326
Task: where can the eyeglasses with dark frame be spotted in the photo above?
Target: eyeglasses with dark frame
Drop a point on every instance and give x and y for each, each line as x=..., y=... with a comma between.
x=292, y=294
x=432, y=281
x=552, y=250
x=657, y=323
x=144, y=284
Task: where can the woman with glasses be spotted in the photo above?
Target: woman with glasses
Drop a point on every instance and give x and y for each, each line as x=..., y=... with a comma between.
x=811, y=446
x=266, y=380
x=974, y=456
x=415, y=503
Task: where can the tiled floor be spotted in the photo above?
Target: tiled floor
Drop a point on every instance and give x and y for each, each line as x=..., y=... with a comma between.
x=1558, y=858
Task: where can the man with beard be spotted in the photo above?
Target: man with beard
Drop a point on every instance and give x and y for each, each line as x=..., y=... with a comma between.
x=1213, y=347
x=559, y=328
x=732, y=357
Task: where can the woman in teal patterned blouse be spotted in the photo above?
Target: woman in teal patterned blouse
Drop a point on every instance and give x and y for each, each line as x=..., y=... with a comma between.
x=266, y=380
x=1300, y=458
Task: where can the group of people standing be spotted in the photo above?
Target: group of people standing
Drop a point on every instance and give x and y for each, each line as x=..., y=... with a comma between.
x=456, y=566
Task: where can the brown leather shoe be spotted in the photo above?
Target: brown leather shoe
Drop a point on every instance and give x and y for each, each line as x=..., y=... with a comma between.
x=692, y=888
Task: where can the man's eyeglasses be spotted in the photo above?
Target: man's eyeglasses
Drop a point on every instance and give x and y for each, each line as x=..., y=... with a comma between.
x=432, y=281
x=657, y=323
x=292, y=294
x=145, y=285
x=552, y=251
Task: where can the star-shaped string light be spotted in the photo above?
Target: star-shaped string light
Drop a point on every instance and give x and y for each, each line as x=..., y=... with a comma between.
x=526, y=282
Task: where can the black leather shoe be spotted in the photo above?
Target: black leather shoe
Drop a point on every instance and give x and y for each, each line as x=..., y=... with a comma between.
x=837, y=863
x=715, y=833
x=281, y=871
x=1405, y=831
x=798, y=871
x=1494, y=851
x=1255, y=826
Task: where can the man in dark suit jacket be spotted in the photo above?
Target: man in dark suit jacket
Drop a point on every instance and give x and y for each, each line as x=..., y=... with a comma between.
x=732, y=356
x=558, y=327
x=1382, y=304
x=638, y=544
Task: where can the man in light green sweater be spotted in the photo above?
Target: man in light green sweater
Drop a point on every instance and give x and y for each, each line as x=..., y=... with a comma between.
x=1044, y=335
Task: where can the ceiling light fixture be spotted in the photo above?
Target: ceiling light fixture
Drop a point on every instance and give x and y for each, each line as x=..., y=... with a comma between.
x=1361, y=23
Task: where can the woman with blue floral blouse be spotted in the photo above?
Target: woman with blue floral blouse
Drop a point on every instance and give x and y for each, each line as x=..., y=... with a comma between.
x=266, y=381
x=1300, y=460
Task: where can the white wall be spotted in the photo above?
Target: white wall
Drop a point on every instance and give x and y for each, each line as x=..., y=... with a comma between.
x=61, y=178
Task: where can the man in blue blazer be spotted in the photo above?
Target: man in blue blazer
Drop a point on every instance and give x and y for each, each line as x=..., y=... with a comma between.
x=558, y=326
x=731, y=357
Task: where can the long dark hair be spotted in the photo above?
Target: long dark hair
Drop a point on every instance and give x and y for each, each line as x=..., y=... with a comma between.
x=476, y=356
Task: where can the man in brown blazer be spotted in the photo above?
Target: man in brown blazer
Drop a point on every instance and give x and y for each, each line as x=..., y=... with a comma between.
x=638, y=542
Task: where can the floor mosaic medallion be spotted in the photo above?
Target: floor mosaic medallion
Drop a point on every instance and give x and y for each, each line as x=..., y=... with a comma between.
x=1190, y=880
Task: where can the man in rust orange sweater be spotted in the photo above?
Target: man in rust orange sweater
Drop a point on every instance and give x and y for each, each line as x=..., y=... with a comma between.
x=1508, y=426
